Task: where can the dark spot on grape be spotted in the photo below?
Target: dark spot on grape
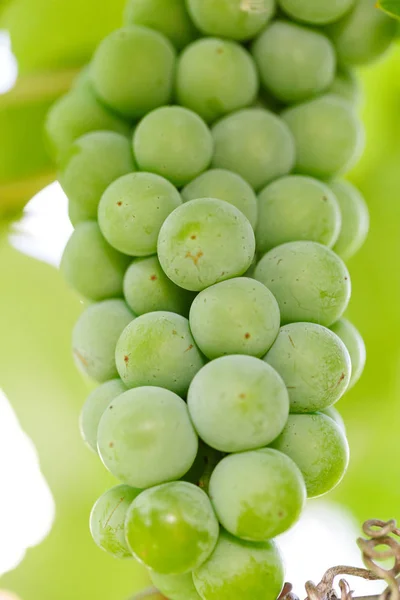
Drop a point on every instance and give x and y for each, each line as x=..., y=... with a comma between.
x=119, y=203
x=153, y=277
x=174, y=332
x=280, y=514
x=247, y=336
x=346, y=278
x=126, y=359
x=111, y=445
x=193, y=237
x=220, y=50
x=242, y=396
x=189, y=348
x=292, y=342
x=324, y=198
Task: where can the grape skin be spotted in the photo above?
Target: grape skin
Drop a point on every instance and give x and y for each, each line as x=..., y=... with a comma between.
x=354, y=343
x=355, y=219
x=175, y=587
x=315, y=11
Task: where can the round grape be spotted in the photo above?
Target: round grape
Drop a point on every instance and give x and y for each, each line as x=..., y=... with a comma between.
x=215, y=77
x=91, y=266
x=295, y=208
x=328, y=136
x=107, y=520
x=257, y=495
x=309, y=281
x=355, y=219
x=77, y=213
x=175, y=587
x=95, y=337
x=148, y=289
x=316, y=12
x=145, y=437
x=294, y=62
x=224, y=185
x=93, y=162
x=94, y=407
x=319, y=448
x=166, y=16
x=354, y=343
x=132, y=70
x=173, y=142
x=229, y=18
x=132, y=210
x=254, y=143
x=238, y=316
x=236, y=403
x=314, y=364
x=205, y=241
x=239, y=569
x=158, y=349
x=172, y=528
x=335, y=415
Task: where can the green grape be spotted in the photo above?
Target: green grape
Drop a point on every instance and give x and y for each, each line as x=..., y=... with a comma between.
x=205, y=241
x=354, y=343
x=224, y=185
x=239, y=569
x=363, y=34
x=316, y=12
x=335, y=415
x=172, y=528
x=355, y=219
x=254, y=143
x=346, y=85
x=95, y=337
x=238, y=403
x=215, y=77
x=107, y=520
x=314, y=364
x=166, y=16
x=319, y=448
x=145, y=437
x=174, y=142
x=158, y=349
x=238, y=316
x=205, y=462
x=91, y=266
x=132, y=210
x=229, y=18
x=77, y=213
x=257, y=495
x=93, y=162
x=132, y=70
x=148, y=289
x=294, y=62
x=296, y=208
x=309, y=281
x=94, y=407
x=175, y=587
x=328, y=136
x=75, y=114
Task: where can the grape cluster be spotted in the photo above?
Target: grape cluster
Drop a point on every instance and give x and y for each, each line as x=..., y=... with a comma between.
x=200, y=151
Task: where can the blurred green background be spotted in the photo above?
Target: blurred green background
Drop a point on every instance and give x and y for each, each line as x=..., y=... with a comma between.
x=52, y=39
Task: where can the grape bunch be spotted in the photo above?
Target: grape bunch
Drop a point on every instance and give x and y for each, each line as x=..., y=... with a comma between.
x=201, y=151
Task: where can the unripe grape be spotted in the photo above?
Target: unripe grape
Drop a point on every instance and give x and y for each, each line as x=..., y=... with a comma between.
x=316, y=12
x=355, y=219
x=354, y=343
x=175, y=587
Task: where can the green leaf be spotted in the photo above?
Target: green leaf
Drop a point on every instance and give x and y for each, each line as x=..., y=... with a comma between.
x=392, y=7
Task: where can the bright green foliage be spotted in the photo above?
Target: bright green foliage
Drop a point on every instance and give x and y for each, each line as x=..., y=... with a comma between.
x=346, y=85
x=205, y=241
x=328, y=136
x=319, y=448
x=132, y=70
x=107, y=520
x=355, y=219
x=238, y=316
x=148, y=289
x=364, y=34
x=316, y=12
x=240, y=569
x=172, y=528
x=145, y=437
x=94, y=407
x=174, y=142
x=93, y=162
x=295, y=208
x=132, y=210
x=95, y=337
x=175, y=587
x=257, y=495
x=354, y=343
x=238, y=403
x=295, y=62
x=91, y=266
x=224, y=185
x=158, y=349
x=215, y=77
x=314, y=364
x=229, y=18
x=309, y=281
x=167, y=16
x=254, y=143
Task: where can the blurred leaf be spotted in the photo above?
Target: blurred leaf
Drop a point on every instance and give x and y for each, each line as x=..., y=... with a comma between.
x=392, y=7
